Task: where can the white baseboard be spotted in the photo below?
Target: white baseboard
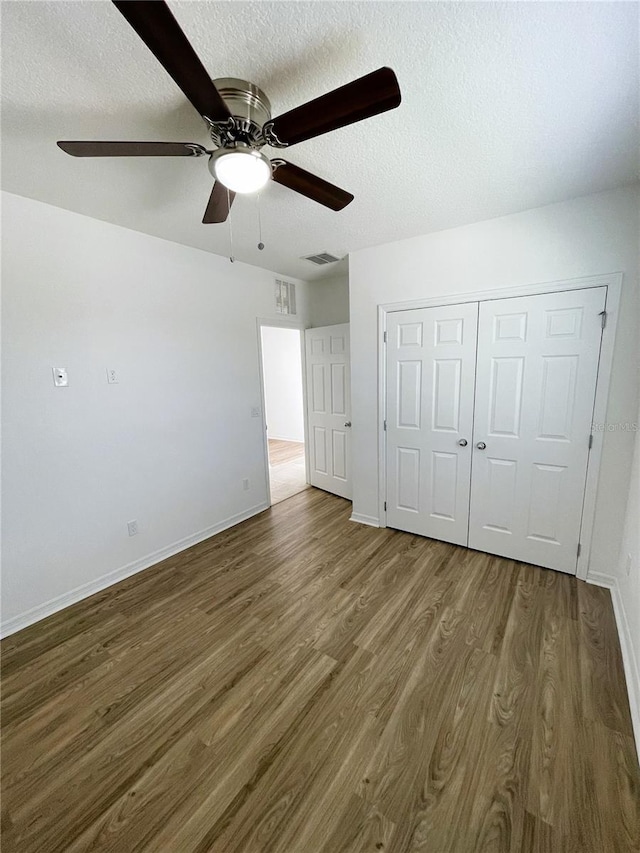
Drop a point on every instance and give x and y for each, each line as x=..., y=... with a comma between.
x=286, y=438
x=600, y=579
x=631, y=668
x=41, y=611
x=370, y=520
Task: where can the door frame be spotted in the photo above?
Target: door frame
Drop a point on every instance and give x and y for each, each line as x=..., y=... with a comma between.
x=613, y=283
x=281, y=323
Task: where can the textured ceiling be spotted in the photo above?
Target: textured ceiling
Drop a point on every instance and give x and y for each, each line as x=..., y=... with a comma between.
x=505, y=107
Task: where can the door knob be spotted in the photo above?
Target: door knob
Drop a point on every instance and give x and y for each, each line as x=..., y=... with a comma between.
x=347, y=423
x=463, y=442
x=481, y=445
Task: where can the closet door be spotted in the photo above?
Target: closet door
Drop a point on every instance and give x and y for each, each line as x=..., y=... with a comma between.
x=536, y=377
x=430, y=379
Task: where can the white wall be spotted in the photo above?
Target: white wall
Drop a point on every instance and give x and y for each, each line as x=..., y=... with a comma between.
x=626, y=586
x=329, y=301
x=169, y=445
x=282, y=370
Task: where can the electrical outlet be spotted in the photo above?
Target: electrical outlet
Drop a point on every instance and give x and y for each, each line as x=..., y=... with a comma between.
x=112, y=376
x=245, y=484
x=132, y=527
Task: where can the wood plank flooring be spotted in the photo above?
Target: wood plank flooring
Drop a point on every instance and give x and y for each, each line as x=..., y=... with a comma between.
x=281, y=451
x=286, y=469
x=303, y=684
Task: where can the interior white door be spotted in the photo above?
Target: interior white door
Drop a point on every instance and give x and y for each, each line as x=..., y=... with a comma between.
x=430, y=379
x=537, y=367
x=329, y=408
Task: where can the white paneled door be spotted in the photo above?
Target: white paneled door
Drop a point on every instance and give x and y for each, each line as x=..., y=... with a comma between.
x=329, y=408
x=537, y=367
x=489, y=409
x=430, y=378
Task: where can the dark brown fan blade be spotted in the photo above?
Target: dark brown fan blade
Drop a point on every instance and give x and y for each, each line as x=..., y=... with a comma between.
x=372, y=94
x=159, y=30
x=220, y=202
x=132, y=149
x=309, y=185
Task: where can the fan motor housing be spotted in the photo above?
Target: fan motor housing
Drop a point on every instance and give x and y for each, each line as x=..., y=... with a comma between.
x=250, y=110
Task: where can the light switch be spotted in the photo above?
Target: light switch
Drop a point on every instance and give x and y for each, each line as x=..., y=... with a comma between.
x=60, y=379
x=255, y=411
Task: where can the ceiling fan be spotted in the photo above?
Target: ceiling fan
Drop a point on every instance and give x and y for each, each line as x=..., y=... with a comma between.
x=238, y=115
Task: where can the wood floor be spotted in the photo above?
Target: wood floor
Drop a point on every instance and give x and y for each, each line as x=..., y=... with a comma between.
x=281, y=452
x=303, y=684
x=286, y=469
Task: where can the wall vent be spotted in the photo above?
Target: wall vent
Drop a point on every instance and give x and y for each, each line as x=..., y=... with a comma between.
x=285, y=297
x=321, y=258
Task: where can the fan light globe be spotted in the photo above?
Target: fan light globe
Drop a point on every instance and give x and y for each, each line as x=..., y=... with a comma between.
x=241, y=170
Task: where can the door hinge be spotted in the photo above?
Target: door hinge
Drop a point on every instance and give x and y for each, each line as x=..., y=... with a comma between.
x=385, y=506
x=590, y=441
x=385, y=426
x=603, y=318
x=384, y=337
x=579, y=549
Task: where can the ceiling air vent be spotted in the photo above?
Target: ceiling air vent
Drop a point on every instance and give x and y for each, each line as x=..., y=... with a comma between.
x=285, y=297
x=321, y=258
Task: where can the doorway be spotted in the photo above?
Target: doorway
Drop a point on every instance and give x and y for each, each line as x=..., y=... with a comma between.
x=284, y=410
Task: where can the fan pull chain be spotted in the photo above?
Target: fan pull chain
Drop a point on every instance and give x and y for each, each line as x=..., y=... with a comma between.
x=231, y=258
x=260, y=243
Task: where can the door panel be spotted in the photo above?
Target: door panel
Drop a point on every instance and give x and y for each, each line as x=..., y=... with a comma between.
x=444, y=475
x=430, y=380
x=408, y=473
x=319, y=461
x=505, y=396
x=329, y=408
x=537, y=366
x=339, y=454
x=445, y=407
x=500, y=493
x=317, y=389
x=338, y=389
x=409, y=394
